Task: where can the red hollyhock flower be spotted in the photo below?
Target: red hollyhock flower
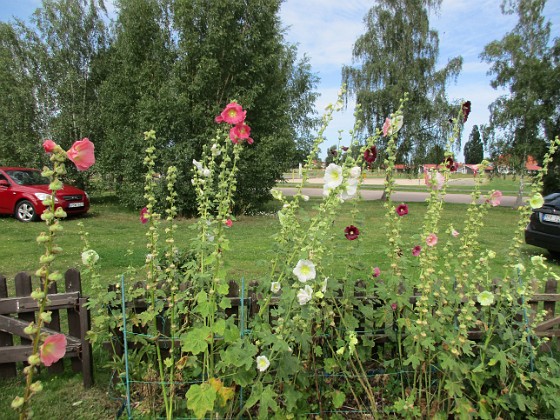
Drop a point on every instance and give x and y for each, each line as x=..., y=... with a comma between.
x=451, y=164
x=351, y=232
x=370, y=154
x=344, y=148
x=402, y=209
x=143, y=217
x=466, y=108
x=49, y=146
x=232, y=114
x=82, y=153
x=416, y=250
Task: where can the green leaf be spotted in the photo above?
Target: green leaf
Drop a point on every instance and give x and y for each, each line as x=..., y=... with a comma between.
x=200, y=399
x=338, y=398
x=196, y=341
x=268, y=401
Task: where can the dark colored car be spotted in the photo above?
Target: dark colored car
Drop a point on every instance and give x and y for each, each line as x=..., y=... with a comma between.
x=543, y=229
x=22, y=191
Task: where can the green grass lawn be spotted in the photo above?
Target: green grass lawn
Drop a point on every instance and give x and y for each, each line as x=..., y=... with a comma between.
x=113, y=230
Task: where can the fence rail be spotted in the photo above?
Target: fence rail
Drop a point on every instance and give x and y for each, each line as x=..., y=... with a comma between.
x=69, y=313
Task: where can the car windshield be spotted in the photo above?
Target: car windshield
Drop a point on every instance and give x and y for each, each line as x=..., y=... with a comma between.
x=552, y=200
x=23, y=177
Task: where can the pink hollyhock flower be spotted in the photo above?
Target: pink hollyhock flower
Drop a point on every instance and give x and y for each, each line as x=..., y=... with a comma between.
x=370, y=154
x=386, y=126
x=454, y=233
x=229, y=223
x=394, y=306
x=437, y=177
x=376, y=272
x=240, y=131
x=416, y=250
x=49, y=146
x=53, y=349
x=82, y=154
x=351, y=232
x=402, y=209
x=495, y=198
x=432, y=239
x=232, y=114
x=143, y=215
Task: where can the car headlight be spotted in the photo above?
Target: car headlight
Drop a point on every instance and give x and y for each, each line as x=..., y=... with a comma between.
x=44, y=196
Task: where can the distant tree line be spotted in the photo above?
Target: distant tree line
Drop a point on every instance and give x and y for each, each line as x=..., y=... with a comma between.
x=166, y=65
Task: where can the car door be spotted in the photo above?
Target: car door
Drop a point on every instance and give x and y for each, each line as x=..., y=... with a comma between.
x=5, y=195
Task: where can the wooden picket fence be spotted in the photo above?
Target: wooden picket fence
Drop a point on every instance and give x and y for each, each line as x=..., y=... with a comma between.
x=17, y=312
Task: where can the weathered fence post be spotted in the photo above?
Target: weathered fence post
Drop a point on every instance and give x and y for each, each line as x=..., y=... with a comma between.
x=7, y=370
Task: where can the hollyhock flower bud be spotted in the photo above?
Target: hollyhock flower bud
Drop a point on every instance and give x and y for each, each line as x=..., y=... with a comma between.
x=49, y=146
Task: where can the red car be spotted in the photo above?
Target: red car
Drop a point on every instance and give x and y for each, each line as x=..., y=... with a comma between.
x=22, y=191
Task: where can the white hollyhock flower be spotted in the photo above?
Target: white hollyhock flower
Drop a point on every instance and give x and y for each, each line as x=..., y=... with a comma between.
x=89, y=257
x=333, y=176
x=197, y=164
x=355, y=172
x=304, y=270
x=350, y=190
x=304, y=295
x=275, y=287
x=262, y=363
x=215, y=149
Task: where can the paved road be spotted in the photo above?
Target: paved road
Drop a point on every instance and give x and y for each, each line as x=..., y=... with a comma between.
x=404, y=196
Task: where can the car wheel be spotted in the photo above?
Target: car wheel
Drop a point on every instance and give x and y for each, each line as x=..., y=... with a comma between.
x=25, y=212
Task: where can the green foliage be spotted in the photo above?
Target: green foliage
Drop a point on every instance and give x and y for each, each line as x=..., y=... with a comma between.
x=526, y=119
x=474, y=149
x=398, y=54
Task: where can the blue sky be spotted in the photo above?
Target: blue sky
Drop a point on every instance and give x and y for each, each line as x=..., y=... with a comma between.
x=326, y=30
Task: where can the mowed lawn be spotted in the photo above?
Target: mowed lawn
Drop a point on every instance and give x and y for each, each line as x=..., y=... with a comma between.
x=114, y=231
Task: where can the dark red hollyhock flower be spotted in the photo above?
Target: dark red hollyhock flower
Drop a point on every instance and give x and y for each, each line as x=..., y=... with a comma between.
x=402, y=209
x=466, y=108
x=351, y=232
x=451, y=164
x=333, y=152
x=344, y=148
x=370, y=154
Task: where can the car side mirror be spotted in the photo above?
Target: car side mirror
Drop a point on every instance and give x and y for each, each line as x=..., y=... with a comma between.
x=4, y=183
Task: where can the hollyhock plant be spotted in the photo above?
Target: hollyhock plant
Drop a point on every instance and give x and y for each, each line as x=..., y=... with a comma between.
x=432, y=239
x=434, y=179
x=388, y=125
x=89, y=257
x=305, y=295
x=416, y=250
x=466, y=108
x=333, y=176
x=49, y=146
x=402, y=209
x=239, y=132
x=536, y=201
x=451, y=164
x=53, y=349
x=370, y=154
x=485, y=298
x=144, y=215
x=304, y=270
x=351, y=232
x=233, y=114
x=495, y=198
x=262, y=363
x=82, y=154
